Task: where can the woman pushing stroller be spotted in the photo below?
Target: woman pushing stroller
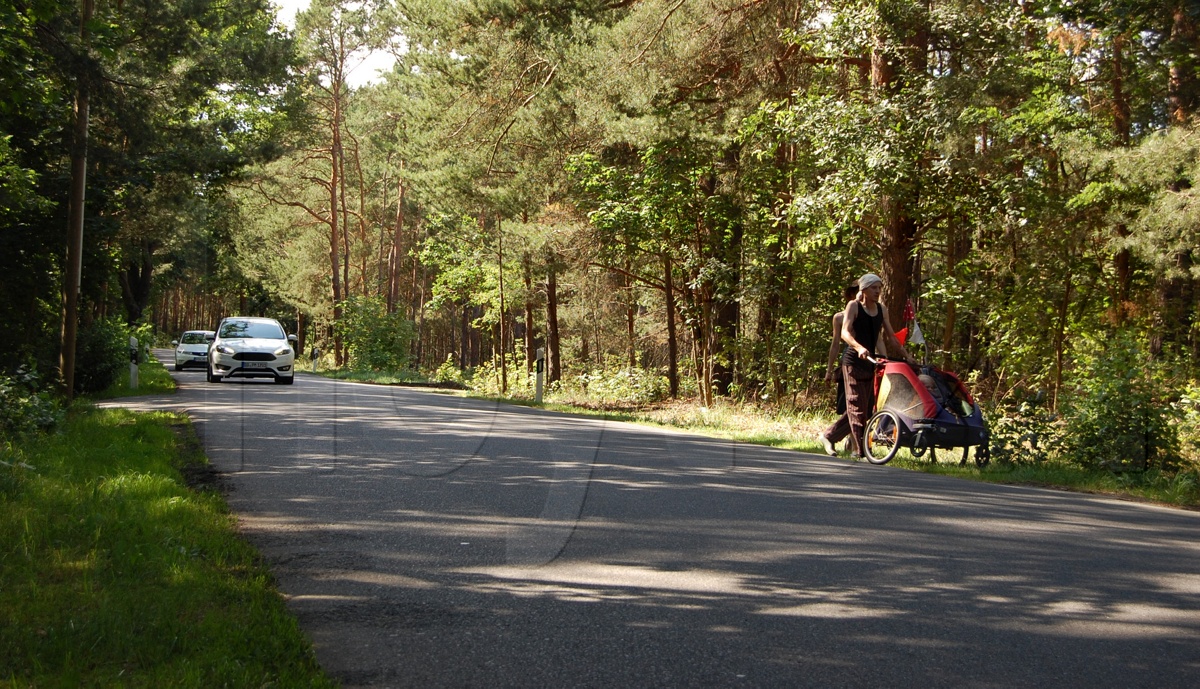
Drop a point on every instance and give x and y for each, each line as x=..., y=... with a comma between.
x=863, y=321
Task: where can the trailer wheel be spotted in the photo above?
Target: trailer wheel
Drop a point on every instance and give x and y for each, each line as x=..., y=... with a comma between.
x=881, y=437
x=919, y=445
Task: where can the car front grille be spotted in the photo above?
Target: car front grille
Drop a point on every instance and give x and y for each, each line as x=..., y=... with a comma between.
x=253, y=356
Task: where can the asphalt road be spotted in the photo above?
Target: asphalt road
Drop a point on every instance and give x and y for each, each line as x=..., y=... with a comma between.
x=425, y=540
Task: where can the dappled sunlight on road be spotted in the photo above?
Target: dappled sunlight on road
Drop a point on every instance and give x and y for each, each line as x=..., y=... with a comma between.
x=450, y=535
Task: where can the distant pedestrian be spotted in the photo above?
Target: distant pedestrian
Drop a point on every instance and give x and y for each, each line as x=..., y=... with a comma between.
x=833, y=435
x=864, y=321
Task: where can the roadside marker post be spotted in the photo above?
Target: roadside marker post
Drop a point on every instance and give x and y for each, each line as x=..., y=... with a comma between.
x=133, y=363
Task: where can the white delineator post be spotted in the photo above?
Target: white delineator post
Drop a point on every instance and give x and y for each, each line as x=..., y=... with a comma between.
x=133, y=363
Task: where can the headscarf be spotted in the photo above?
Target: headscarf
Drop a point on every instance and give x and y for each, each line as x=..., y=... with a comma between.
x=867, y=280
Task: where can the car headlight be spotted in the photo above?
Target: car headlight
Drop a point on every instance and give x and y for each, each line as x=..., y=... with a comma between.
x=224, y=349
x=283, y=351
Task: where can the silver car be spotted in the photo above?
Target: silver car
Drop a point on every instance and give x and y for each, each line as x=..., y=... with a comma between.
x=191, y=349
x=252, y=348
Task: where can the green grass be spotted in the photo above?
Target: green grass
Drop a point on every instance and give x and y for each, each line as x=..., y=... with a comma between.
x=153, y=379
x=113, y=572
x=379, y=377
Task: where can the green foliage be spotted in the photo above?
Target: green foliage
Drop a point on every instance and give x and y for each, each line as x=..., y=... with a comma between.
x=618, y=386
x=23, y=408
x=153, y=379
x=1027, y=433
x=449, y=372
x=101, y=354
x=1187, y=414
x=488, y=380
x=182, y=94
x=375, y=339
x=1118, y=417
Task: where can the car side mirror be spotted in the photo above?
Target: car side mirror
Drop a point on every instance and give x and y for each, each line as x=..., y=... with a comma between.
x=292, y=339
x=174, y=343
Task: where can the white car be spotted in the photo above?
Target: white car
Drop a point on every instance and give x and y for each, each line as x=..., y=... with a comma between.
x=252, y=348
x=191, y=349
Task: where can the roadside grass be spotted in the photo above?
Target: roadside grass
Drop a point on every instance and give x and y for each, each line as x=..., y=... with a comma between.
x=798, y=429
x=1177, y=489
x=153, y=379
x=113, y=572
x=379, y=377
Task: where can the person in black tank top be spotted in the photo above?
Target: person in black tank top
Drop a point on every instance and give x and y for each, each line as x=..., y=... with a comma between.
x=864, y=321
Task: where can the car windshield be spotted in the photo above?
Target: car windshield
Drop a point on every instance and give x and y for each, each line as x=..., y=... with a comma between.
x=193, y=338
x=265, y=330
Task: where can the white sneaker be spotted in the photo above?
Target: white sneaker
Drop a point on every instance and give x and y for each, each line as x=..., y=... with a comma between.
x=829, y=448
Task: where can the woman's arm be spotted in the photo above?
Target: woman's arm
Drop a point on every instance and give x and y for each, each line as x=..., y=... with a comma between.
x=847, y=332
x=834, y=346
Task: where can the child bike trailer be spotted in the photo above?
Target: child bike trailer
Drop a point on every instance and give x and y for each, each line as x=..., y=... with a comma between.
x=922, y=409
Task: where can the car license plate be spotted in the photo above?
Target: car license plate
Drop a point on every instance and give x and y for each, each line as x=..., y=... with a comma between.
x=254, y=364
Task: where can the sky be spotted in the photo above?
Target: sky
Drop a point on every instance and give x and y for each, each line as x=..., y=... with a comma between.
x=365, y=73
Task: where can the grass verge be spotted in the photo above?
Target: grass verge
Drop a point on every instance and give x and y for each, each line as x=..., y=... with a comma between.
x=153, y=379
x=113, y=572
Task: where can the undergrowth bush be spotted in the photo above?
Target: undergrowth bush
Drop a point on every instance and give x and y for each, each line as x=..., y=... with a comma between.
x=375, y=339
x=487, y=379
x=1118, y=416
x=619, y=386
x=101, y=355
x=1027, y=433
x=23, y=408
x=448, y=372
x=1187, y=424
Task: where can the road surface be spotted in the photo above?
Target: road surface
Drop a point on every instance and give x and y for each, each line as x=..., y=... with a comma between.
x=426, y=540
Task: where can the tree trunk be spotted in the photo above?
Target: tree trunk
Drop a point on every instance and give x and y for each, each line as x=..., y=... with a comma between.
x=301, y=333
x=394, y=259
x=73, y=279
x=1060, y=337
x=530, y=340
x=335, y=237
x=464, y=355
x=1182, y=87
x=1122, y=118
x=136, y=280
x=672, y=341
x=553, y=344
x=503, y=313
x=899, y=227
x=630, y=315
x=900, y=239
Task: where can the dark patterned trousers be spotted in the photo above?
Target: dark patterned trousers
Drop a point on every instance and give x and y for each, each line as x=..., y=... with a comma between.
x=860, y=403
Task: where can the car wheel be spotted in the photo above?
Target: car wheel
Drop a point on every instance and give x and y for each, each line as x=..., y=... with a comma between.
x=285, y=381
x=178, y=366
x=211, y=377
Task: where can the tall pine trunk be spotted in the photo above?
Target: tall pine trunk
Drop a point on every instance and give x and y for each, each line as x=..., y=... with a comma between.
x=672, y=339
x=73, y=279
x=553, y=343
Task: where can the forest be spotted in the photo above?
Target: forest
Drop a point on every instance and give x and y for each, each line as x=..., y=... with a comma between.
x=666, y=196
